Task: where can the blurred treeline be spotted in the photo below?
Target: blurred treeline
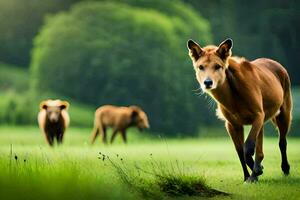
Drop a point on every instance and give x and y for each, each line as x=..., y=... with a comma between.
x=268, y=28
x=123, y=52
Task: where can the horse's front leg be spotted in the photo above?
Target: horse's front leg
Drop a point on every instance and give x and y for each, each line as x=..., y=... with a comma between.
x=253, y=143
x=237, y=135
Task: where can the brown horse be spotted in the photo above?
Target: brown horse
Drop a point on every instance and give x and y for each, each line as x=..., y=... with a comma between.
x=247, y=93
x=53, y=120
x=118, y=118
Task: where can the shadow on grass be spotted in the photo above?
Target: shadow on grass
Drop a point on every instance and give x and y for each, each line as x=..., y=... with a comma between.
x=161, y=179
x=186, y=185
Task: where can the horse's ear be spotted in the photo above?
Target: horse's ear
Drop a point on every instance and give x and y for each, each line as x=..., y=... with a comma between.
x=195, y=51
x=43, y=105
x=224, y=49
x=64, y=105
x=134, y=114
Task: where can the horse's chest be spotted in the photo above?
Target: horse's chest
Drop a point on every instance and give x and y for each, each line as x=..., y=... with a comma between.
x=54, y=128
x=236, y=115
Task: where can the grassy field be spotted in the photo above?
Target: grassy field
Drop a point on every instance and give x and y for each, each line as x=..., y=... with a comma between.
x=31, y=170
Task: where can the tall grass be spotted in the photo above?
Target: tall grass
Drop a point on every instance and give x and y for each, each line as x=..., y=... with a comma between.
x=154, y=168
x=161, y=178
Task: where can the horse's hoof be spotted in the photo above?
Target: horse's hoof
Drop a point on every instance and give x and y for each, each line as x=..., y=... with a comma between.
x=252, y=179
x=286, y=169
x=258, y=169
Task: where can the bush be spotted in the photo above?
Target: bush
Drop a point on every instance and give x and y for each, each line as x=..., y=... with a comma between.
x=112, y=53
x=16, y=109
x=13, y=78
x=22, y=109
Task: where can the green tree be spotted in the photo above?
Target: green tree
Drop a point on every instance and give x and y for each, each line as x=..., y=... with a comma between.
x=113, y=53
x=259, y=28
x=19, y=23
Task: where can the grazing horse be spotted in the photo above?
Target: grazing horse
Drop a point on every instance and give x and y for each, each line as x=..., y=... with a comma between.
x=247, y=93
x=118, y=118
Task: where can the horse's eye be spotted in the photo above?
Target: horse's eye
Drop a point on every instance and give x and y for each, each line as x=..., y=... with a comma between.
x=201, y=67
x=217, y=67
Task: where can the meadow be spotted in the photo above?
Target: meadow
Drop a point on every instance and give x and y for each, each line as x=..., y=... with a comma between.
x=133, y=52
x=76, y=170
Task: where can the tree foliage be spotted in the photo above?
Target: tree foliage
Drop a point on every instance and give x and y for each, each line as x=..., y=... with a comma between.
x=259, y=28
x=114, y=53
x=19, y=23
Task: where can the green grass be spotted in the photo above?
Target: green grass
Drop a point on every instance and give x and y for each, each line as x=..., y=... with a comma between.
x=76, y=170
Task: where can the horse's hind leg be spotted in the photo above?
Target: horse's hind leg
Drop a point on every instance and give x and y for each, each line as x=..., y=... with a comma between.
x=95, y=133
x=104, y=137
x=283, y=121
